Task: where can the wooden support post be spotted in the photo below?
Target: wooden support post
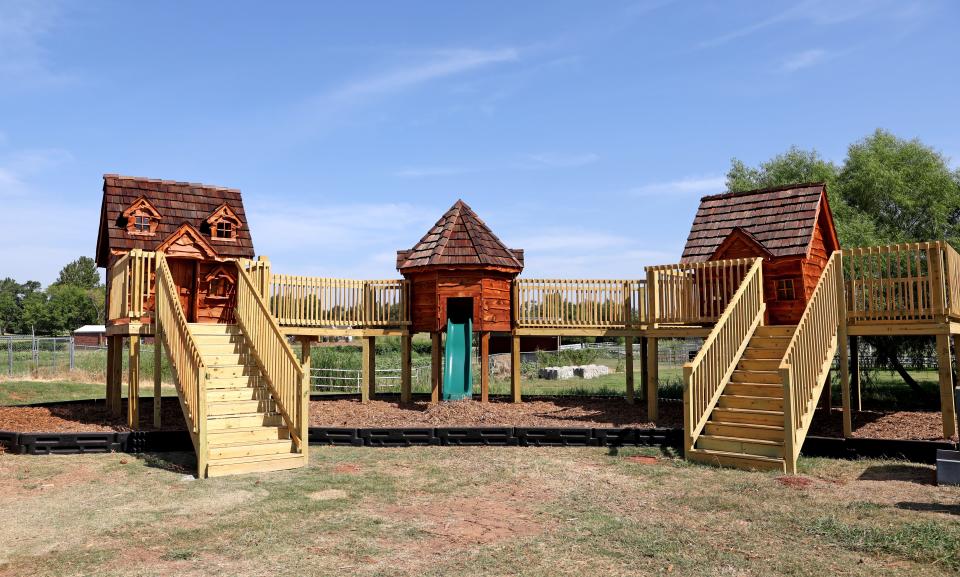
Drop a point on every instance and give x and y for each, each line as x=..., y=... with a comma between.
x=157, y=377
x=515, y=368
x=628, y=367
x=485, y=367
x=956, y=351
x=114, y=373
x=653, y=378
x=643, y=369
x=843, y=346
x=406, y=384
x=947, y=406
x=436, y=368
x=856, y=402
x=133, y=383
x=369, y=380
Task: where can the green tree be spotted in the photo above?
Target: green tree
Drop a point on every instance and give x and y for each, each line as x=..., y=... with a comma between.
x=80, y=273
x=12, y=296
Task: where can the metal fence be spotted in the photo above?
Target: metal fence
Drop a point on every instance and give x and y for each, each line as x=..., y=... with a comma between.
x=326, y=380
x=28, y=355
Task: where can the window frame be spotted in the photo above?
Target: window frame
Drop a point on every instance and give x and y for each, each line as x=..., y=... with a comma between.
x=786, y=286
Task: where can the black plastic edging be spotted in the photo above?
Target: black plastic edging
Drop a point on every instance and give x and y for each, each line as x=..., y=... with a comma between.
x=916, y=451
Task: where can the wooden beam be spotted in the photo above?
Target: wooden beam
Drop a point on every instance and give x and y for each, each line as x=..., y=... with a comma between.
x=436, y=368
x=947, y=406
x=643, y=368
x=485, y=367
x=157, y=377
x=515, y=384
x=855, y=402
x=343, y=332
x=628, y=367
x=844, y=350
x=406, y=368
x=653, y=379
x=114, y=368
x=368, y=384
x=133, y=384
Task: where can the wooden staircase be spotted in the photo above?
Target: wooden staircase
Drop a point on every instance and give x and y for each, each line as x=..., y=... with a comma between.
x=745, y=428
x=244, y=431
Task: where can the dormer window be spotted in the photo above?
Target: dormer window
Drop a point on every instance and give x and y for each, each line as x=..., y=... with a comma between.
x=223, y=223
x=142, y=218
x=224, y=229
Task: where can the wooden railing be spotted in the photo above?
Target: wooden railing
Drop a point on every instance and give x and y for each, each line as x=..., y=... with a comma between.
x=259, y=271
x=173, y=331
x=806, y=362
x=705, y=376
x=329, y=302
x=279, y=366
x=905, y=282
x=693, y=293
x=550, y=303
x=130, y=286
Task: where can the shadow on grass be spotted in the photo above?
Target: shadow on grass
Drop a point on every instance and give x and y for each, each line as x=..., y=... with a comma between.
x=909, y=473
x=175, y=462
x=929, y=507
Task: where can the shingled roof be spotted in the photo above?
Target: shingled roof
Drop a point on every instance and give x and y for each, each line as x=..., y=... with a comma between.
x=460, y=238
x=178, y=203
x=781, y=220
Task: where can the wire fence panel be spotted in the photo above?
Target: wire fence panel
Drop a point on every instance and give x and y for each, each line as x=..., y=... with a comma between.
x=326, y=380
x=36, y=356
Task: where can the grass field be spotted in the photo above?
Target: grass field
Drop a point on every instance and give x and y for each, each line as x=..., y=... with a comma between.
x=22, y=392
x=473, y=511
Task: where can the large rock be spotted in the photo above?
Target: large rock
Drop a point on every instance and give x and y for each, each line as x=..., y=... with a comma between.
x=556, y=373
x=591, y=371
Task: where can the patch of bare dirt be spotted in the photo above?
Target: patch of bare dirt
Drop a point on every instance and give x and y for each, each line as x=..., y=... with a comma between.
x=558, y=412
x=82, y=417
x=469, y=520
x=642, y=459
x=347, y=469
x=794, y=481
x=912, y=425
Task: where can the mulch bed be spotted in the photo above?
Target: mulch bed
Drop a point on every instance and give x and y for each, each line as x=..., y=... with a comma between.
x=558, y=412
x=87, y=417
x=578, y=412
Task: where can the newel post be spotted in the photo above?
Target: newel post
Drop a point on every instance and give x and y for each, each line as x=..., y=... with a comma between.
x=789, y=431
x=688, y=422
x=653, y=298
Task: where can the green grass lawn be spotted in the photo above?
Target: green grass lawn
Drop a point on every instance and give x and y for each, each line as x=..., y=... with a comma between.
x=29, y=392
x=433, y=511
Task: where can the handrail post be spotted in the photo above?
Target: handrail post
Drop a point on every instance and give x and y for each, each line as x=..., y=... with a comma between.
x=688, y=418
x=653, y=297
x=937, y=278
x=789, y=430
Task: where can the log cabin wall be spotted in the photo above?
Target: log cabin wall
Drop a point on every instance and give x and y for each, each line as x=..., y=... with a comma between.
x=490, y=291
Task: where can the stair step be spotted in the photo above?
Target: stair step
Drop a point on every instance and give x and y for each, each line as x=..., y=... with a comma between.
x=226, y=408
x=221, y=339
x=741, y=445
x=227, y=348
x=750, y=416
x=775, y=331
x=246, y=435
x=736, y=460
x=776, y=343
x=220, y=359
x=754, y=390
x=744, y=430
x=229, y=382
x=213, y=329
x=756, y=353
x=243, y=421
x=769, y=364
x=769, y=377
x=748, y=402
x=256, y=464
x=236, y=394
x=250, y=449
x=231, y=371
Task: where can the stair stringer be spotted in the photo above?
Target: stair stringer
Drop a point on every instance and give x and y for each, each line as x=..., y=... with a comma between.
x=811, y=405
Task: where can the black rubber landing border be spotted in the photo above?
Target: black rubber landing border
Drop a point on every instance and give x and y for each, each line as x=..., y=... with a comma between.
x=495, y=437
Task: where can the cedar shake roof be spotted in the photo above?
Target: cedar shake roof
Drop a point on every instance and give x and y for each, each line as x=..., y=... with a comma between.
x=460, y=238
x=781, y=220
x=178, y=203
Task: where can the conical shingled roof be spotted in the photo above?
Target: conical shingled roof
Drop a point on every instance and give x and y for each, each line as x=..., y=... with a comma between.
x=460, y=237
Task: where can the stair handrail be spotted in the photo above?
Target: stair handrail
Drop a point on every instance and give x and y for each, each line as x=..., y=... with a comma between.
x=281, y=370
x=172, y=329
x=807, y=360
x=705, y=375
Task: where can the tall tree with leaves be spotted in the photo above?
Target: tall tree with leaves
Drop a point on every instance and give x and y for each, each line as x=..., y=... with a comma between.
x=80, y=273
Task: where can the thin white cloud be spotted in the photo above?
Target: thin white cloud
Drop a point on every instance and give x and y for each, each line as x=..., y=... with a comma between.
x=804, y=59
x=440, y=64
x=429, y=171
x=817, y=12
x=686, y=185
x=24, y=62
x=557, y=160
x=17, y=169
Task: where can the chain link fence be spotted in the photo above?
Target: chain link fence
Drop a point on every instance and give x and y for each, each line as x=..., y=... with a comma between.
x=37, y=356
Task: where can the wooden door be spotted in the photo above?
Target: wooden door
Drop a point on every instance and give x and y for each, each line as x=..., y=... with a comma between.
x=184, y=274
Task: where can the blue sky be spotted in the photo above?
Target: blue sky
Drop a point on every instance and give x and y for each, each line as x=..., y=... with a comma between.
x=583, y=132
